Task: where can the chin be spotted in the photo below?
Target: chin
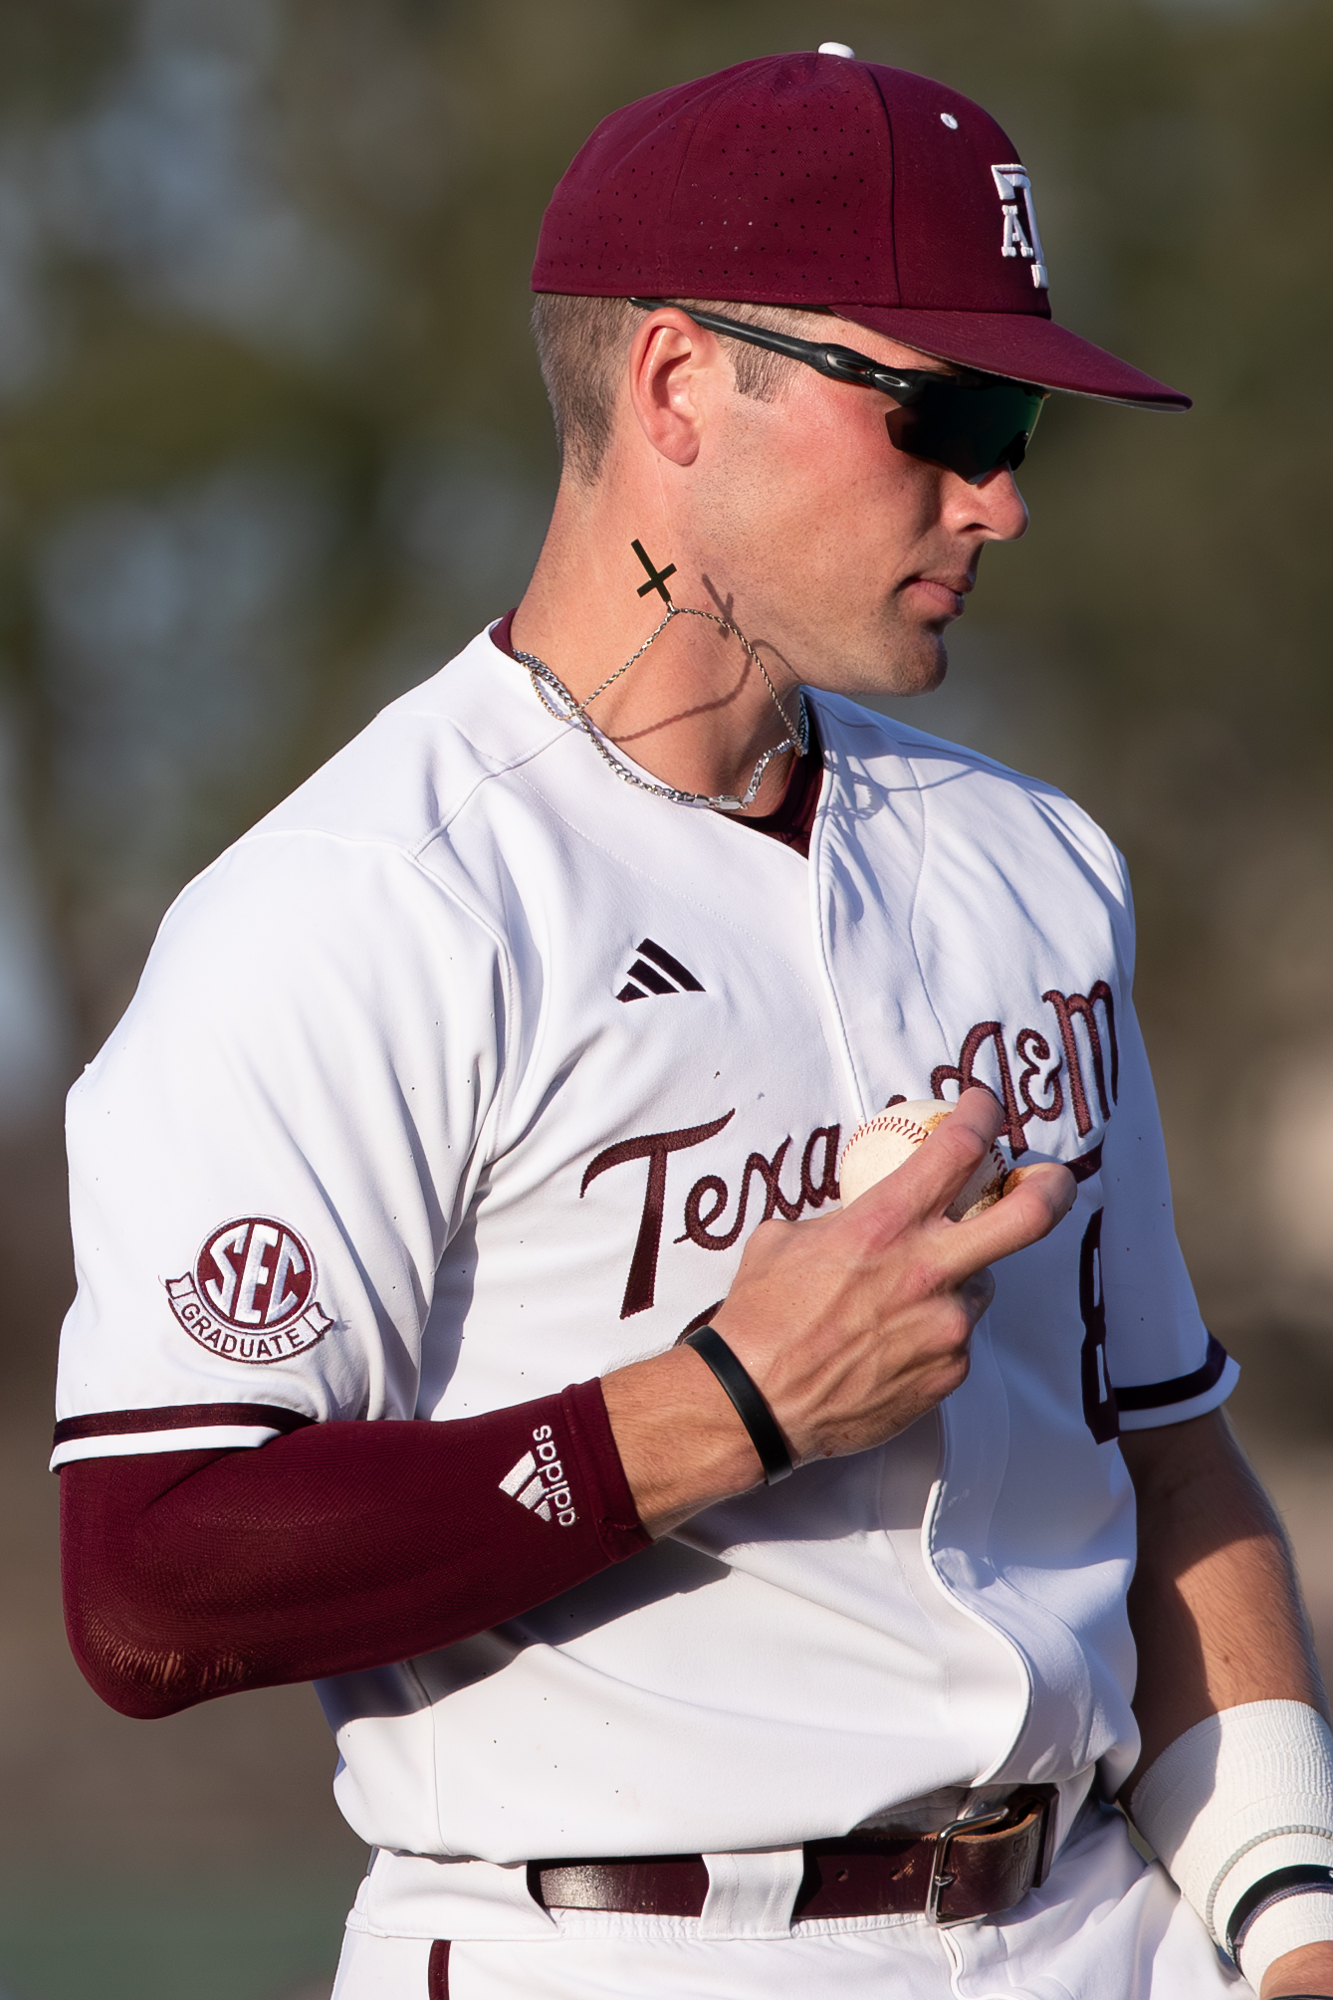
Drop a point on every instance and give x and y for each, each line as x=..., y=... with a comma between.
x=934, y=672
x=920, y=660
x=897, y=662
x=903, y=668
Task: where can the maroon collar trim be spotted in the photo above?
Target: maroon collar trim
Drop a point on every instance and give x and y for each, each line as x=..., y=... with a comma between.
x=792, y=822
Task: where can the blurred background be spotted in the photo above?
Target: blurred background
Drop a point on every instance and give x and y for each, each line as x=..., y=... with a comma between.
x=273, y=442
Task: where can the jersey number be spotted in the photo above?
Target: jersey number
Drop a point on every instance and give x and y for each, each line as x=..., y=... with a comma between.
x=1099, y=1405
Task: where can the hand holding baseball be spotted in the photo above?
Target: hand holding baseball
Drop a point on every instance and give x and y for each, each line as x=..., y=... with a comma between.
x=855, y=1324
x=851, y=1325
x=883, y=1144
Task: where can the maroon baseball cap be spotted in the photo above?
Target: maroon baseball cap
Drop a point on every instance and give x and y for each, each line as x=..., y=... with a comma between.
x=820, y=181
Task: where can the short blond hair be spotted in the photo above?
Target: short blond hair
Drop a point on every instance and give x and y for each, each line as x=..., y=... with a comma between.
x=582, y=344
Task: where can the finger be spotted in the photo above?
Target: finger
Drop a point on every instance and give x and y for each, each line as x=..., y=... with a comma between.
x=1020, y=1174
x=926, y=1183
x=976, y=1292
x=1035, y=1199
x=980, y=1108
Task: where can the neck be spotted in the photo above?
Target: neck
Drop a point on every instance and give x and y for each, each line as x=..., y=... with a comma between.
x=695, y=711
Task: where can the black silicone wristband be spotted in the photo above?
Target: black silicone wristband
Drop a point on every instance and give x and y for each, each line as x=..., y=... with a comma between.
x=751, y=1408
x=1272, y=1888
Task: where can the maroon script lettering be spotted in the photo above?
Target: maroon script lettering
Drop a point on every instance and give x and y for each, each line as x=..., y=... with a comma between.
x=1038, y=1061
x=706, y=1203
x=1034, y=1052
x=656, y=1147
x=1084, y=1006
x=963, y=1073
x=814, y=1193
x=713, y=1189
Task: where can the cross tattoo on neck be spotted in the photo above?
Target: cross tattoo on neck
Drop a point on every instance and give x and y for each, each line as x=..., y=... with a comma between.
x=656, y=577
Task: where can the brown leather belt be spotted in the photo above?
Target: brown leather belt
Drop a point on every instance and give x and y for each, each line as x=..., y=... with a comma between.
x=969, y=1869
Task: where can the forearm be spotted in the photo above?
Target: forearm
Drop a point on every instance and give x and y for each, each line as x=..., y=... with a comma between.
x=344, y=1546
x=1215, y=1607
x=1216, y=1613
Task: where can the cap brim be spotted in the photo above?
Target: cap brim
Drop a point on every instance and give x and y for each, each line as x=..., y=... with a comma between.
x=1022, y=345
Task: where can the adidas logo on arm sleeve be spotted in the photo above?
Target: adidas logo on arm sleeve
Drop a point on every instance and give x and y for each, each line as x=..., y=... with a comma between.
x=538, y=1482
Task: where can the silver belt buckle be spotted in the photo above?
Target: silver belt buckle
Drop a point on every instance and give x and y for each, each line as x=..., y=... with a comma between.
x=940, y=1878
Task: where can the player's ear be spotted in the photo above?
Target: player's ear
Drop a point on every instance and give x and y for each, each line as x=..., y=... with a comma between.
x=673, y=365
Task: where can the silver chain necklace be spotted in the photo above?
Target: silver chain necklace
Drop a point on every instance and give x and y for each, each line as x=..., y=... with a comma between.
x=548, y=684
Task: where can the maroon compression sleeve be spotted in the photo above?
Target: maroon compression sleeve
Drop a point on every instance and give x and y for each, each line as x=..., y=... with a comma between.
x=191, y=1574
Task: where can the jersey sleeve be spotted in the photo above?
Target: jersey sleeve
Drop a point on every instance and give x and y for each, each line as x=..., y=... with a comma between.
x=272, y=1150
x=1164, y=1365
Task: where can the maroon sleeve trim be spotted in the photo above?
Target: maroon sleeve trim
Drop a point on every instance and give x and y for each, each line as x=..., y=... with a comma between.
x=179, y=1417
x=1180, y=1388
x=1086, y=1165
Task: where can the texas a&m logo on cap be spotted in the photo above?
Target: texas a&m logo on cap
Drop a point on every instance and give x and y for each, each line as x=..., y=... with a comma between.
x=251, y=1294
x=1011, y=182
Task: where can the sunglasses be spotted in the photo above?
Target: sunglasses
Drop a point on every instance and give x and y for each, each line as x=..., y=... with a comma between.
x=970, y=422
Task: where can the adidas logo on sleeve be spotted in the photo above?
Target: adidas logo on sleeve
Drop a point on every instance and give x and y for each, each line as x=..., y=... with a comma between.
x=538, y=1481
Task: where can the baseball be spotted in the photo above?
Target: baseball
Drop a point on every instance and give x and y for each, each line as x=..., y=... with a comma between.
x=882, y=1144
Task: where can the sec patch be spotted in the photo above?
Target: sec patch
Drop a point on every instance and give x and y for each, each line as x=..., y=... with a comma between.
x=251, y=1293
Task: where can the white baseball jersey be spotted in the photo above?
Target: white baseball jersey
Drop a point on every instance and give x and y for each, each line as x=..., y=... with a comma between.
x=464, y=1076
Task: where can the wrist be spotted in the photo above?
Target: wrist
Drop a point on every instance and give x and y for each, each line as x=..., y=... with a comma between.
x=743, y=1392
x=1244, y=1796
x=681, y=1443
x=1305, y=1974
x=1287, y=1947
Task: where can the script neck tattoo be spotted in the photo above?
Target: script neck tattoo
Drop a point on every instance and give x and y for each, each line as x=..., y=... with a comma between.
x=556, y=697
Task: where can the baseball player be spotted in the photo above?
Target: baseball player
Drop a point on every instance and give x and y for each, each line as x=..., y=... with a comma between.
x=712, y=1588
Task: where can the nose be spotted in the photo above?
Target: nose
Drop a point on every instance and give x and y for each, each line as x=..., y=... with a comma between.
x=994, y=506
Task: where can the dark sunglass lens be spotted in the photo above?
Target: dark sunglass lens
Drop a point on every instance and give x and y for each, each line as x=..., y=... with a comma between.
x=972, y=427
